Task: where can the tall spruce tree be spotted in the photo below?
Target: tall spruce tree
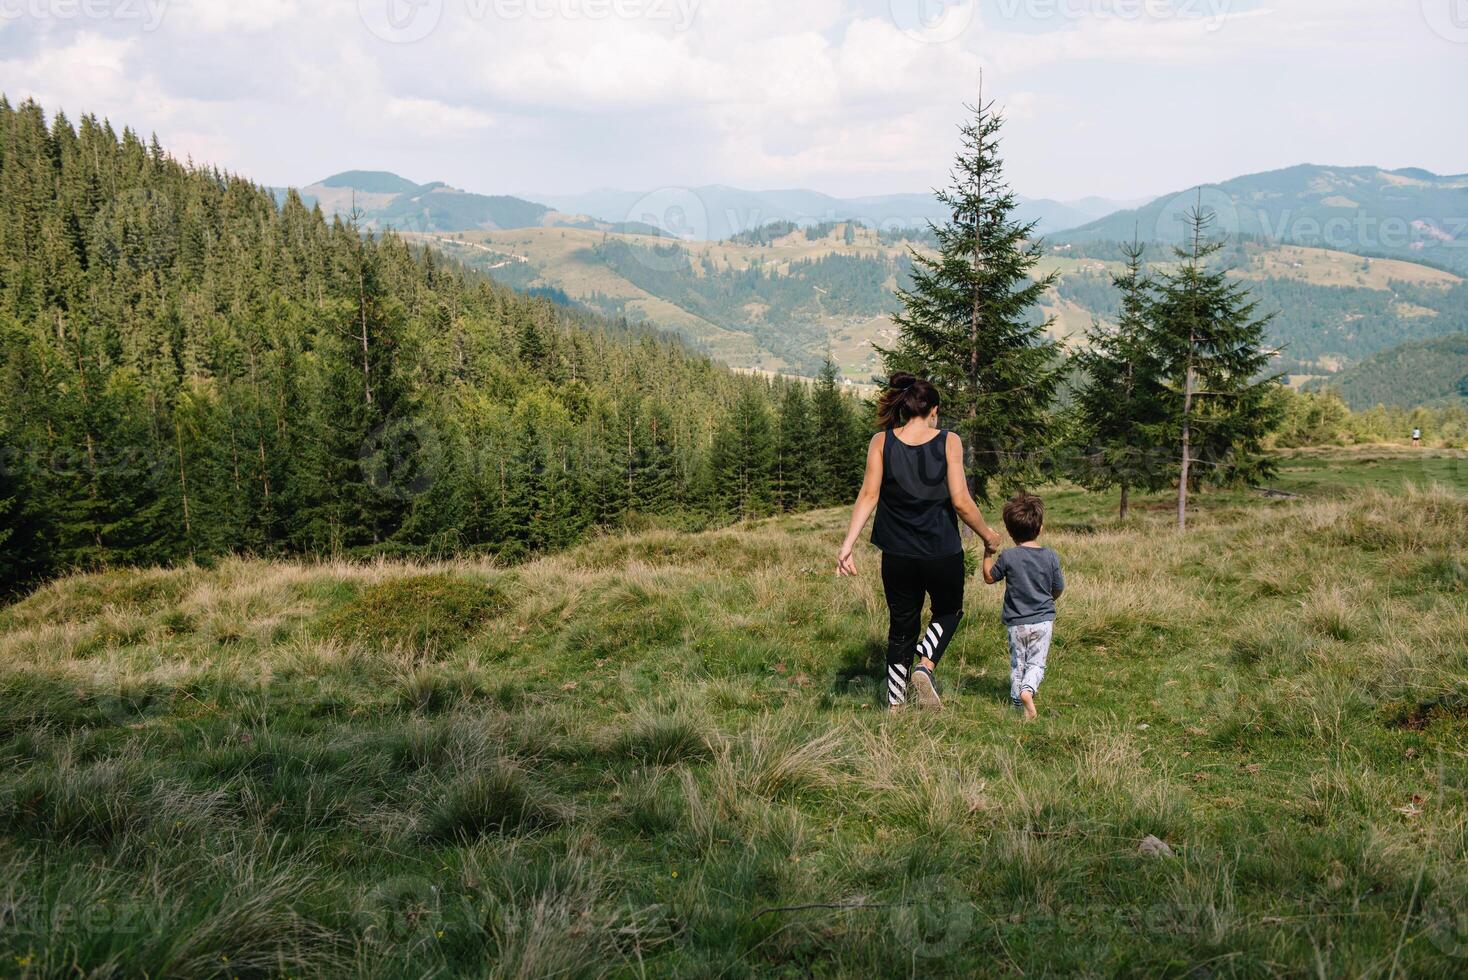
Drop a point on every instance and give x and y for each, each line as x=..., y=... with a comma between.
x=838, y=449
x=1210, y=343
x=1120, y=404
x=794, y=459
x=13, y=559
x=968, y=321
x=742, y=458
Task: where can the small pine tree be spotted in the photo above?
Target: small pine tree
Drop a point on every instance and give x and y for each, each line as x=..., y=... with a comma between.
x=967, y=321
x=1120, y=406
x=838, y=450
x=1211, y=346
x=741, y=459
x=794, y=460
x=13, y=561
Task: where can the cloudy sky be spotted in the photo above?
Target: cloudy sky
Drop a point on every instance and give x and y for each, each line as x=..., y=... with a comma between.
x=1120, y=98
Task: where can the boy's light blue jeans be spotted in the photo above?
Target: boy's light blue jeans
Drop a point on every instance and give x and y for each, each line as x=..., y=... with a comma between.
x=1029, y=648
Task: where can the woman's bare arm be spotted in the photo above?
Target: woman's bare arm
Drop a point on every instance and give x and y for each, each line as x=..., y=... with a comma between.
x=963, y=501
x=866, y=502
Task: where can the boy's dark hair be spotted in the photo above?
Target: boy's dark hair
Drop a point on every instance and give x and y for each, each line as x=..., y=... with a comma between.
x=1024, y=515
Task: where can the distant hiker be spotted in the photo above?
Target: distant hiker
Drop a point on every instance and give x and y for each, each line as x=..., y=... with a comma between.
x=916, y=484
x=1416, y=438
x=1032, y=582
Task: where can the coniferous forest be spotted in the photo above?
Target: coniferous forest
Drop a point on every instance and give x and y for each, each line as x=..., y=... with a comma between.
x=188, y=371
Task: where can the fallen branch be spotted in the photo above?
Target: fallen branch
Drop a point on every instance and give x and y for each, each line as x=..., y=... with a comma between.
x=828, y=905
x=1272, y=492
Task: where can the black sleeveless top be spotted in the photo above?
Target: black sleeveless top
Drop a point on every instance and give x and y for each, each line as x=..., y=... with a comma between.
x=915, y=515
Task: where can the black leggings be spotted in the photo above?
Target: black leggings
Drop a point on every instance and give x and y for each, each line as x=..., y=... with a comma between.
x=906, y=581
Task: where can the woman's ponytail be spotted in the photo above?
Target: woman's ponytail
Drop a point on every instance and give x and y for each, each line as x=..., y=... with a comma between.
x=905, y=397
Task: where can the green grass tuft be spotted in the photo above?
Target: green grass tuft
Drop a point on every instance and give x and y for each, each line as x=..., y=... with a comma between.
x=420, y=616
x=496, y=798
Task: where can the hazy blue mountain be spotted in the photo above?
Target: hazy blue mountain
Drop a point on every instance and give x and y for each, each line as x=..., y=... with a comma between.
x=371, y=182
x=384, y=199
x=1410, y=213
x=717, y=211
x=711, y=212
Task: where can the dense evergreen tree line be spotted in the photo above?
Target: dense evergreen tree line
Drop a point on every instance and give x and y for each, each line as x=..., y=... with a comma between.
x=188, y=370
x=1321, y=418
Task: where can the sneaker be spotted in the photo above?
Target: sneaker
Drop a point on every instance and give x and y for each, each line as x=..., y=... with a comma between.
x=924, y=691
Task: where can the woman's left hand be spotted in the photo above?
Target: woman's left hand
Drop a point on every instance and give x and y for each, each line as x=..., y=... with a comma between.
x=845, y=563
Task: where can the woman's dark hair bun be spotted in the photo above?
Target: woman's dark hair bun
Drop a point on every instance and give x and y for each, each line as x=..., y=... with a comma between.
x=905, y=397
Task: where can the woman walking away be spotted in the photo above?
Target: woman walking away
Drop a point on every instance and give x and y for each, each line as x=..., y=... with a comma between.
x=915, y=482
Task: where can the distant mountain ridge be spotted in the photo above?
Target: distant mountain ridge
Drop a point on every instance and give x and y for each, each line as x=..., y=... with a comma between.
x=710, y=213
x=1407, y=213
x=383, y=199
x=715, y=212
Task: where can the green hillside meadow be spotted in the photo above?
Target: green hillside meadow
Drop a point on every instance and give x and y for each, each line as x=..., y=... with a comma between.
x=660, y=754
x=1430, y=372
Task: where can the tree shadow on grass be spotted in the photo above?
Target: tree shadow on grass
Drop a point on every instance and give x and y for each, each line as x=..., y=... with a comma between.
x=970, y=683
x=860, y=668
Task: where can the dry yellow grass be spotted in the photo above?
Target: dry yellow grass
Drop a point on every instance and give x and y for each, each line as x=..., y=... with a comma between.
x=662, y=736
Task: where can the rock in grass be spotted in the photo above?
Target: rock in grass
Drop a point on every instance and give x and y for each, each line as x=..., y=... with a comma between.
x=1154, y=847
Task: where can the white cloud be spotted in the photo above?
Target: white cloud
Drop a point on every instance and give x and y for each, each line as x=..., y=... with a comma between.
x=238, y=15
x=825, y=93
x=431, y=118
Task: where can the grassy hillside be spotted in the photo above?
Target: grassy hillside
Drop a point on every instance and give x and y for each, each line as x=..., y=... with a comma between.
x=1421, y=373
x=659, y=755
x=1332, y=309
x=752, y=305
x=778, y=301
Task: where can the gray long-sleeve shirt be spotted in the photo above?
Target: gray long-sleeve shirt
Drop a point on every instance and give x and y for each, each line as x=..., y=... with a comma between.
x=1032, y=582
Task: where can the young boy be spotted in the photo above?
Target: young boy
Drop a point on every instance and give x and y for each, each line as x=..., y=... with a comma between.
x=1033, y=582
